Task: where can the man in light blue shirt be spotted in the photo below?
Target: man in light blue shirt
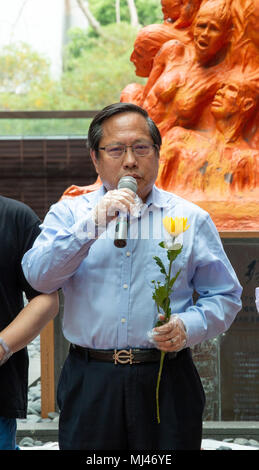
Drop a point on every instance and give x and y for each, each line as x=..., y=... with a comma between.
x=107, y=401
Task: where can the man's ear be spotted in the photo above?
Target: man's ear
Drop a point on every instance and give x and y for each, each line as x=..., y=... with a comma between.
x=94, y=160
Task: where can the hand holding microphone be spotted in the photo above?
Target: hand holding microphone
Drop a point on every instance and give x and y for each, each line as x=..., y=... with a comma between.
x=121, y=229
x=117, y=201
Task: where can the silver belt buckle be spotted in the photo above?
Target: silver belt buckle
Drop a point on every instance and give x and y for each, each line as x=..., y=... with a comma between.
x=123, y=356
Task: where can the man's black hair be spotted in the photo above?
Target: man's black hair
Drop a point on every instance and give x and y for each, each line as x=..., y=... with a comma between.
x=95, y=131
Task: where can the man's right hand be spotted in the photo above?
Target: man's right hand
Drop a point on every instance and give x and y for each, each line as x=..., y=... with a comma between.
x=114, y=201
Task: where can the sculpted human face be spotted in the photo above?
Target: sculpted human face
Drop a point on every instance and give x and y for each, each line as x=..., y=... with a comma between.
x=126, y=128
x=233, y=99
x=226, y=101
x=171, y=8
x=253, y=24
x=209, y=36
x=143, y=62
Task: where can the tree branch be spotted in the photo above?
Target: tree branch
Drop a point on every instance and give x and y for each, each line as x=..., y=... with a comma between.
x=117, y=9
x=133, y=14
x=90, y=17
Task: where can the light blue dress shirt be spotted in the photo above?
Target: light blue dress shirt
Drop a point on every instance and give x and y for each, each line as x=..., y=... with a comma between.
x=108, y=290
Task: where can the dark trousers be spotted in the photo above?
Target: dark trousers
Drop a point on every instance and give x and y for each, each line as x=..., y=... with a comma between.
x=104, y=406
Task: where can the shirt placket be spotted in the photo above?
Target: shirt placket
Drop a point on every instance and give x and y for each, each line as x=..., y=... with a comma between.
x=125, y=295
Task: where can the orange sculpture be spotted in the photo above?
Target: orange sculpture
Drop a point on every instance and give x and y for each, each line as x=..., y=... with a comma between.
x=202, y=88
x=217, y=169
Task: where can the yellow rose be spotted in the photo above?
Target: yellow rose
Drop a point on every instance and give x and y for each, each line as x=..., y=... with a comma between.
x=175, y=226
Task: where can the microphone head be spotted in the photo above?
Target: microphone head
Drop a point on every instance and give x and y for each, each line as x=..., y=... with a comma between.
x=128, y=182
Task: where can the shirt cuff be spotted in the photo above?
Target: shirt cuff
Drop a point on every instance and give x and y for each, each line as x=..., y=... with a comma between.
x=195, y=328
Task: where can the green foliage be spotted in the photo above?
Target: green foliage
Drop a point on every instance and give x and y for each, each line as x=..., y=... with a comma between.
x=95, y=76
x=162, y=292
x=80, y=40
x=44, y=127
x=95, y=68
x=162, y=297
x=21, y=68
x=160, y=264
x=149, y=11
x=172, y=254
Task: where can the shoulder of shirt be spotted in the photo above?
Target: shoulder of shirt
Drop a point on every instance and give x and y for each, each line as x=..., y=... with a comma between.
x=87, y=198
x=167, y=199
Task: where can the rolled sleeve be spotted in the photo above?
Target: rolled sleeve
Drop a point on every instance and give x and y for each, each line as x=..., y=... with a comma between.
x=59, y=249
x=217, y=286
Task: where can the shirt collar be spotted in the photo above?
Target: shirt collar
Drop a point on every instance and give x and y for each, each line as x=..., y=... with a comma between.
x=94, y=196
x=158, y=197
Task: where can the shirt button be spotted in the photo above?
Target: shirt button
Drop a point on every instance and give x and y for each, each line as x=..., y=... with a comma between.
x=128, y=253
x=125, y=286
x=123, y=320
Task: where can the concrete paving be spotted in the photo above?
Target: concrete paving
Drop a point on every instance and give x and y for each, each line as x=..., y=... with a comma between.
x=47, y=433
x=207, y=444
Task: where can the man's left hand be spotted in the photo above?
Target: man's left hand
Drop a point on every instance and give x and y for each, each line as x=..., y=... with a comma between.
x=171, y=336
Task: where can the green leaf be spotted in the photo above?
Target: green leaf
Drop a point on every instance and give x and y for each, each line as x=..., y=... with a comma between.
x=160, y=264
x=172, y=281
x=162, y=244
x=172, y=254
x=160, y=296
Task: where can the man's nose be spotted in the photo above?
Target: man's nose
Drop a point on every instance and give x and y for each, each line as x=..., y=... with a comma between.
x=129, y=157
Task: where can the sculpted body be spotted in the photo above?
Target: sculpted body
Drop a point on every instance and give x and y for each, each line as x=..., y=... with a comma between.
x=184, y=78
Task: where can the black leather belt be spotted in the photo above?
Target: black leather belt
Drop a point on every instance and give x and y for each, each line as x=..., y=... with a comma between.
x=123, y=356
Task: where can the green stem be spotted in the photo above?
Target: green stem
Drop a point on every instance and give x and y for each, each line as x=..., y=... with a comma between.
x=168, y=281
x=163, y=353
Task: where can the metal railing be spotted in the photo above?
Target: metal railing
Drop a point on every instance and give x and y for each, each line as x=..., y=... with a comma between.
x=77, y=114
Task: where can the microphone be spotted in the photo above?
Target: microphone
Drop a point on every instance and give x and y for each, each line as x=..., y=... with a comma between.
x=121, y=229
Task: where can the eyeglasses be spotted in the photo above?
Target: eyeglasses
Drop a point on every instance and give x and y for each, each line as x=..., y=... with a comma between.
x=139, y=150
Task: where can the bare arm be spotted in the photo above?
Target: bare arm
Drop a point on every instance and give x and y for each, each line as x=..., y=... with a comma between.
x=30, y=321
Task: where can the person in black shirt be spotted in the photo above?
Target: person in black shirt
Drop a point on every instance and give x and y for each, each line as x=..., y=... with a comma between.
x=19, y=227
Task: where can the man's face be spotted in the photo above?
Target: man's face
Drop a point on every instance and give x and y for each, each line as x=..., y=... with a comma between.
x=126, y=128
x=209, y=36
